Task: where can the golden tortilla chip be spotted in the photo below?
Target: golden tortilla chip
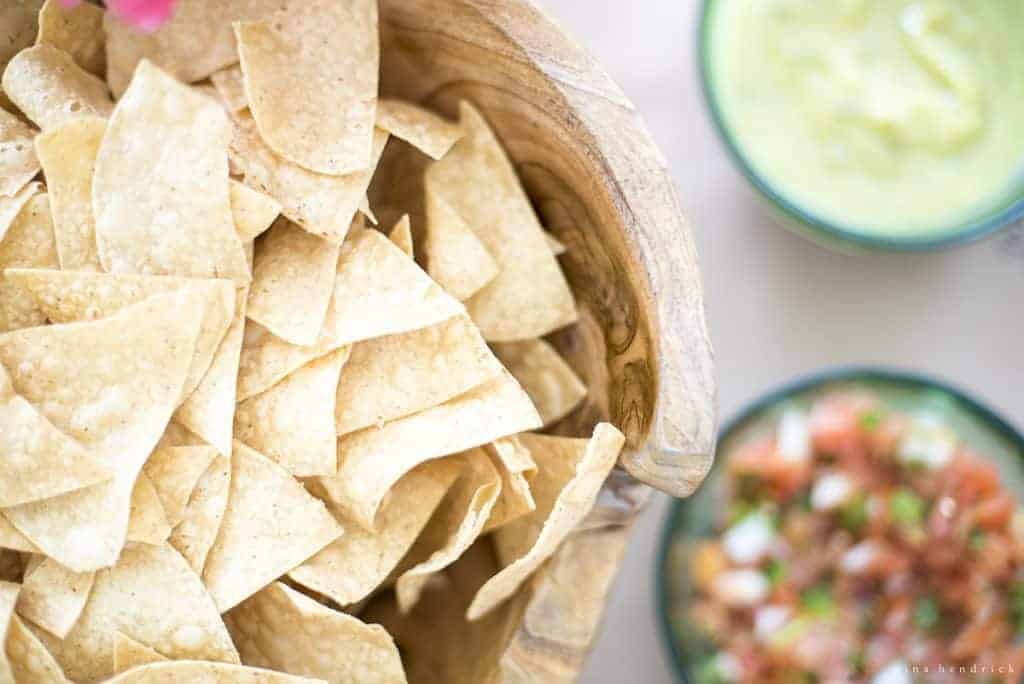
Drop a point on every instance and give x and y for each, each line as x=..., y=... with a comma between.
x=18, y=162
x=53, y=597
x=77, y=31
x=230, y=87
x=46, y=84
x=29, y=242
x=431, y=134
x=321, y=204
x=293, y=421
x=18, y=27
x=357, y=563
x=281, y=629
x=530, y=296
x=551, y=383
x=68, y=155
x=29, y=659
x=177, y=435
x=10, y=207
x=517, y=468
x=175, y=471
x=147, y=522
x=569, y=477
x=161, y=195
x=401, y=235
x=455, y=257
x=253, y=211
x=455, y=526
x=267, y=360
x=11, y=538
x=556, y=247
x=310, y=75
x=271, y=525
x=153, y=595
x=8, y=598
x=371, y=461
x=196, y=533
x=118, y=379
x=399, y=375
x=292, y=283
x=129, y=653
x=197, y=672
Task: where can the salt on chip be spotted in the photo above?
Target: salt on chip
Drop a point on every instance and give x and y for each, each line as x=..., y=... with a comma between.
x=293, y=422
x=46, y=84
x=28, y=657
x=230, y=87
x=68, y=155
x=175, y=471
x=292, y=283
x=310, y=74
x=353, y=566
x=455, y=257
x=399, y=375
x=198, y=672
x=428, y=132
x=371, y=461
x=271, y=525
x=29, y=241
x=281, y=629
x=53, y=597
x=530, y=296
x=153, y=595
x=200, y=522
x=401, y=235
x=129, y=653
x=253, y=211
x=77, y=31
x=516, y=468
x=147, y=521
x=551, y=383
x=8, y=598
x=569, y=477
x=125, y=373
x=161, y=195
x=18, y=162
x=457, y=524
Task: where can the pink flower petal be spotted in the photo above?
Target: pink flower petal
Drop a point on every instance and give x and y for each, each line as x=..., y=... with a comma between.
x=147, y=15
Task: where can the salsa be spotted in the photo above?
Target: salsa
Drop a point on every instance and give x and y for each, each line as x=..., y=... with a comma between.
x=860, y=544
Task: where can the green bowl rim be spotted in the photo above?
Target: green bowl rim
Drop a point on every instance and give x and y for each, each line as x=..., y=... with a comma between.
x=965, y=233
x=774, y=396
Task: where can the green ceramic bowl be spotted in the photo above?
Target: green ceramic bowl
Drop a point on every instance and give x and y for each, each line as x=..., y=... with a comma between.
x=690, y=519
x=828, y=234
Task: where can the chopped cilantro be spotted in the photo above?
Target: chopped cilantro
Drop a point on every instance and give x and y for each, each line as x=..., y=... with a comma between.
x=853, y=516
x=775, y=571
x=906, y=507
x=818, y=601
x=926, y=614
x=870, y=420
x=977, y=539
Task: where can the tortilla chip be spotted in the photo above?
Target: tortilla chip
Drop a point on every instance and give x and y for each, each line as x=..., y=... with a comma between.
x=352, y=567
x=153, y=595
x=11, y=538
x=201, y=519
x=18, y=27
x=293, y=421
x=530, y=296
x=160, y=192
x=53, y=597
x=267, y=359
x=453, y=529
x=177, y=435
x=431, y=134
x=281, y=629
x=197, y=41
x=29, y=659
x=367, y=211
x=271, y=525
x=147, y=522
x=11, y=569
x=568, y=480
x=8, y=598
x=77, y=31
x=321, y=204
x=371, y=461
x=401, y=235
x=69, y=297
x=175, y=471
x=46, y=84
x=396, y=376
x=556, y=247
x=39, y=461
x=29, y=242
x=455, y=257
x=253, y=211
x=517, y=468
x=292, y=283
x=197, y=672
x=129, y=653
x=112, y=385
x=18, y=162
x=551, y=383
x=68, y=155
x=231, y=88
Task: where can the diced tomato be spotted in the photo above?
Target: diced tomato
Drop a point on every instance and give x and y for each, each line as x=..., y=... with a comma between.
x=994, y=514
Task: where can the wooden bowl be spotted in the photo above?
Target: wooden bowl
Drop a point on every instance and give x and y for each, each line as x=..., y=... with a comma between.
x=602, y=187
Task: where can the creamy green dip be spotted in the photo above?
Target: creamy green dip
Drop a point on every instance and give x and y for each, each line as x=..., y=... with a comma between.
x=888, y=117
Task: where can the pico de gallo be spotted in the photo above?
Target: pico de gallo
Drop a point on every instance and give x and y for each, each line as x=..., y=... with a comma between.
x=861, y=544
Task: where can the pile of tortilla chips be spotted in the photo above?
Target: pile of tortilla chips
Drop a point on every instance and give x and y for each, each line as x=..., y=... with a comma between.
x=241, y=420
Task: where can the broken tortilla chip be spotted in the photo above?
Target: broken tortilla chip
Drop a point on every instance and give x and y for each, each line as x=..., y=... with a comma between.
x=53, y=597
x=147, y=522
x=200, y=521
x=68, y=155
x=371, y=461
x=18, y=162
x=77, y=31
x=175, y=471
x=129, y=653
x=231, y=88
x=569, y=476
x=28, y=658
x=46, y=84
x=161, y=196
x=455, y=257
x=293, y=422
x=551, y=383
x=271, y=525
x=280, y=628
x=401, y=235
x=198, y=672
x=517, y=468
x=431, y=134
x=29, y=242
x=253, y=211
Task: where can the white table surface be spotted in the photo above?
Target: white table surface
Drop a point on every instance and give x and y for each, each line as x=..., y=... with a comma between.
x=779, y=306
